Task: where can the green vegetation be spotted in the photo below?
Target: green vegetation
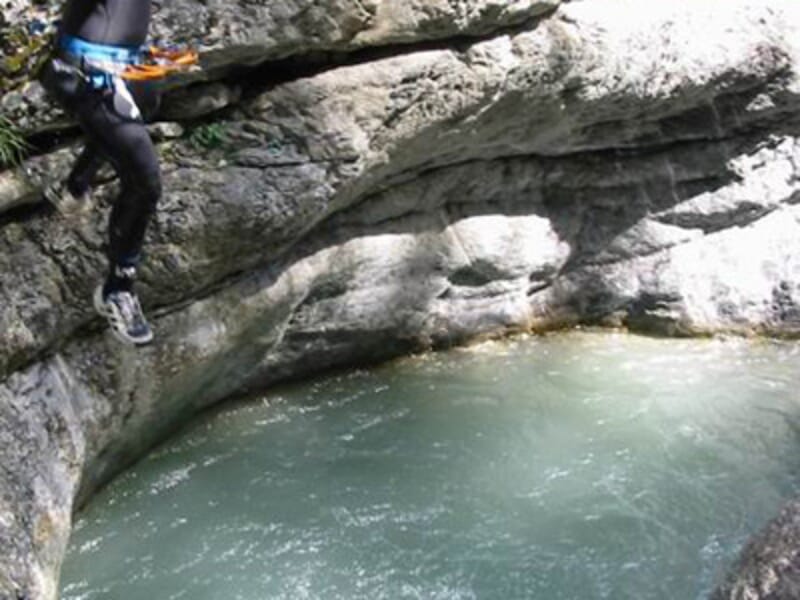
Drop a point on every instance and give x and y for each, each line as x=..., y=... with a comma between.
x=21, y=55
x=12, y=145
x=209, y=136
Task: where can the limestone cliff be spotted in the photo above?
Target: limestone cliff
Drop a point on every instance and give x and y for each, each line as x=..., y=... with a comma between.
x=354, y=179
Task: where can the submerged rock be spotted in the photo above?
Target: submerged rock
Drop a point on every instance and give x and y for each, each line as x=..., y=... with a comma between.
x=615, y=162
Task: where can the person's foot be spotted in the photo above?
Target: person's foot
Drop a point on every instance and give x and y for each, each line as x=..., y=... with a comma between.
x=124, y=314
x=65, y=203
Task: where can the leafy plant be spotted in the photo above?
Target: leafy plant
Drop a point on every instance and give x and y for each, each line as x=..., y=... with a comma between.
x=24, y=48
x=12, y=145
x=209, y=136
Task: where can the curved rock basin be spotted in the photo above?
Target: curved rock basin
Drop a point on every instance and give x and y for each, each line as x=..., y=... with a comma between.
x=576, y=466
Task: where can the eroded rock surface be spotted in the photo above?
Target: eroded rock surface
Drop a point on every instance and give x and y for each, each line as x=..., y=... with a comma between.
x=769, y=566
x=613, y=162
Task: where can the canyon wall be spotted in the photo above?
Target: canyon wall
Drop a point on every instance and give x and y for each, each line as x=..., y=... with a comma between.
x=351, y=180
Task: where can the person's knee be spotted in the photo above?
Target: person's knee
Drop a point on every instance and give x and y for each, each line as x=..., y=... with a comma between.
x=138, y=167
x=153, y=190
x=147, y=191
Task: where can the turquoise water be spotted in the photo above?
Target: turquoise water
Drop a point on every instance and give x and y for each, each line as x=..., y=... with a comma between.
x=576, y=466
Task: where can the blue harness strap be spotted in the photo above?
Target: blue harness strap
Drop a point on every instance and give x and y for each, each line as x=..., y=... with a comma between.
x=92, y=56
x=126, y=55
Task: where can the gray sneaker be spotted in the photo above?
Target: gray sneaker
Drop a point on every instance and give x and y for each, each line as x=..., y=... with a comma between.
x=65, y=203
x=124, y=315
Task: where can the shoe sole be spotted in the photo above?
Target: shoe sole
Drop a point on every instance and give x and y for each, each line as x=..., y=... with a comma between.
x=100, y=309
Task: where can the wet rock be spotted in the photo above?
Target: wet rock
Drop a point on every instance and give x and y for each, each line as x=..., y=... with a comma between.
x=769, y=565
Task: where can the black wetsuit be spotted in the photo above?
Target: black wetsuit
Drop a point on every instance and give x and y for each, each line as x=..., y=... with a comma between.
x=115, y=22
x=121, y=139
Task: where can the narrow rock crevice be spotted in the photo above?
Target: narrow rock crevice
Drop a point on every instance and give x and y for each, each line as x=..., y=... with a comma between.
x=271, y=73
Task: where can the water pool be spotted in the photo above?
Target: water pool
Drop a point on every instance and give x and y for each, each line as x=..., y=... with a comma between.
x=572, y=466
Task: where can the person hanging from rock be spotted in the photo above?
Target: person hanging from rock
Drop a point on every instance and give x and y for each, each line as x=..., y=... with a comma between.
x=98, y=56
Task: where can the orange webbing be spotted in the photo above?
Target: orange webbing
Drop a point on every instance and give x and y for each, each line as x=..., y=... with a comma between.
x=166, y=62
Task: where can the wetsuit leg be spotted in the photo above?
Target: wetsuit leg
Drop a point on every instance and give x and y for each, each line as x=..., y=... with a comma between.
x=127, y=145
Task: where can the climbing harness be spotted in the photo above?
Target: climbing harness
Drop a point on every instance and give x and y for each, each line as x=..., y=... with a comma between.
x=105, y=62
x=109, y=68
x=160, y=62
x=100, y=62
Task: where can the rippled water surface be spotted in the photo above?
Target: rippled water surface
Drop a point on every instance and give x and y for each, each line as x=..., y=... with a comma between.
x=576, y=466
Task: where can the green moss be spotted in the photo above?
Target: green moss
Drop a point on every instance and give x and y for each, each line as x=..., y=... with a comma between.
x=209, y=136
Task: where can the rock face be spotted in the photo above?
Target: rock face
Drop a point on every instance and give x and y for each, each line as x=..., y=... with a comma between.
x=372, y=178
x=769, y=566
